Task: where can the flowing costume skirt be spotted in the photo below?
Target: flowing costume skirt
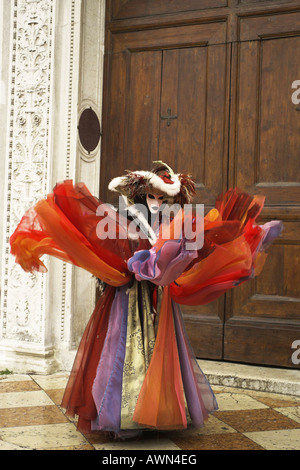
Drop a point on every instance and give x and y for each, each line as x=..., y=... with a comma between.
x=135, y=368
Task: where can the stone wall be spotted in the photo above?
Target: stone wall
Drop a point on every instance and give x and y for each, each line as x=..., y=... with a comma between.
x=52, y=65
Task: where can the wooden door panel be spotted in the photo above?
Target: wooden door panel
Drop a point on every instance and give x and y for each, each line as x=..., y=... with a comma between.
x=131, y=101
x=121, y=9
x=269, y=296
x=196, y=141
x=146, y=78
x=263, y=316
x=247, y=341
x=205, y=328
x=130, y=126
x=189, y=69
x=184, y=85
x=269, y=26
x=268, y=124
x=267, y=4
x=170, y=38
x=143, y=103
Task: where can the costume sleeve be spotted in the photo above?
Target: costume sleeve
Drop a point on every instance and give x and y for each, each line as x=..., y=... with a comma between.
x=236, y=250
x=65, y=225
x=161, y=265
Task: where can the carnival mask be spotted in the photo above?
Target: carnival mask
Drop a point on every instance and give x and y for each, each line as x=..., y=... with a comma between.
x=154, y=202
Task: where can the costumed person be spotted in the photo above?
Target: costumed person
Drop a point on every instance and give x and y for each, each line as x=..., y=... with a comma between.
x=135, y=368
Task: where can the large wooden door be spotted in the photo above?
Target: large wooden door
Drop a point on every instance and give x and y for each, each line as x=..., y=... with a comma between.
x=163, y=99
x=263, y=317
x=213, y=97
x=165, y=102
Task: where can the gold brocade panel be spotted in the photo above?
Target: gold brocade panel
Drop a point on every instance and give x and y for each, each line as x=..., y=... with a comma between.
x=140, y=340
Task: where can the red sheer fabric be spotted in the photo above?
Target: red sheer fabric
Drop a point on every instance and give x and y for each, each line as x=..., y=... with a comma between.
x=77, y=399
x=65, y=225
x=230, y=253
x=214, y=275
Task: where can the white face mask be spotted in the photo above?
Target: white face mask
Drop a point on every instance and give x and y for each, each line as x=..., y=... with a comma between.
x=154, y=203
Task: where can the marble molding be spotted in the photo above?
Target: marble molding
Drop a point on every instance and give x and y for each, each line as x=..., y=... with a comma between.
x=41, y=321
x=23, y=299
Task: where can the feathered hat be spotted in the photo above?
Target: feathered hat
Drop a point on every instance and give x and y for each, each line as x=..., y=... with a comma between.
x=161, y=179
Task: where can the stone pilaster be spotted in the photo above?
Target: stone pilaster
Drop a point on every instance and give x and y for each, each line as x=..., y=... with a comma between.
x=56, y=67
x=25, y=342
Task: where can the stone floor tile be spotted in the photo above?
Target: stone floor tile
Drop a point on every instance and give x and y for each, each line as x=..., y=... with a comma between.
x=31, y=418
x=79, y=447
x=284, y=439
x=43, y=437
x=14, y=378
x=100, y=437
x=24, y=399
x=238, y=401
x=56, y=395
x=232, y=441
x=292, y=412
x=32, y=415
x=22, y=386
x=51, y=382
x=141, y=444
x=212, y=426
x=277, y=401
x=6, y=446
x=256, y=420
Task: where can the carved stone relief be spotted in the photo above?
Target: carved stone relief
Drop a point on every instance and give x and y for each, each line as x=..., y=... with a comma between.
x=23, y=295
x=43, y=316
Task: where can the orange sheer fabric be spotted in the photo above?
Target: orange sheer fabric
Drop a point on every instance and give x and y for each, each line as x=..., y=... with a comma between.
x=214, y=275
x=65, y=226
x=161, y=401
x=230, y=251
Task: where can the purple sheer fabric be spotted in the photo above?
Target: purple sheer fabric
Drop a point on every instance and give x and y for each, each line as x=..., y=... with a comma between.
x=107, y=386
x=272, y=230
x=199, y=396
x=164, y=266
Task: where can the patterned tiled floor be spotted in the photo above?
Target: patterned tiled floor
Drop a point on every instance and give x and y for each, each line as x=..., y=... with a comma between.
x=31, y=418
